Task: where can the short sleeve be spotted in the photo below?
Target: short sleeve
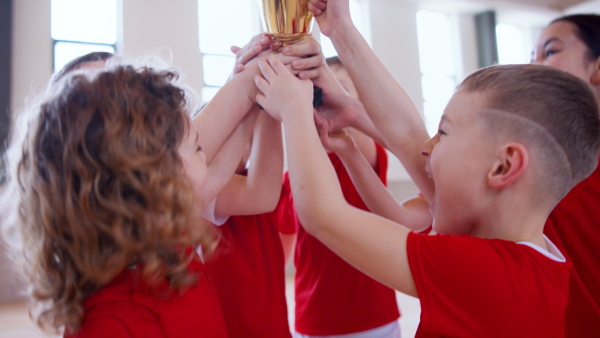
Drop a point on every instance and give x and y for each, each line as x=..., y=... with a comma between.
x=209, y=214
x=475, y=287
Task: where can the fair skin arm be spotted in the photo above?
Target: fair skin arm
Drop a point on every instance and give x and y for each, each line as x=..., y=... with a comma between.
x=223, y=113
x=257, y=44
x=220, y=171
x=265, y=172
x=379, y=249
x=412, y=213
x=403, y=130
x=340, y=110
x=259, y=191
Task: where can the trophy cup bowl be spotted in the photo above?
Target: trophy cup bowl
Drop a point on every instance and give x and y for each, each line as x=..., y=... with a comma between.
x=288, y=21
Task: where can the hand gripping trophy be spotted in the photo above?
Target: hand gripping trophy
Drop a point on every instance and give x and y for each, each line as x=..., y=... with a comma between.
x=288, y=21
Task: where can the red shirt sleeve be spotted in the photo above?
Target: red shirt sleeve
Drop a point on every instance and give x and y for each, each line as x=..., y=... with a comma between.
x=474, y=287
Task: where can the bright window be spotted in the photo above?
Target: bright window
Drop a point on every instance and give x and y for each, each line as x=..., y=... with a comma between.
x=223, y=24
x=79, y=27
x=438, y=71
x=513, y=45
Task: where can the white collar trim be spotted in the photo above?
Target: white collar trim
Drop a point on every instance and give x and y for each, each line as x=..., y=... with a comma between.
x=553, y=253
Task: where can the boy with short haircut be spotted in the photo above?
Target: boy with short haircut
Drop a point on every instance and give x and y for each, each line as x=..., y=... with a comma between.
x=512, y=142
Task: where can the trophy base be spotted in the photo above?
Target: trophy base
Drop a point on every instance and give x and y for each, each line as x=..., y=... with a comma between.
x=288, y=38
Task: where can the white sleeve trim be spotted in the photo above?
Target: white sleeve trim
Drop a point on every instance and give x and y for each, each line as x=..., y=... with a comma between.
x=209, y=214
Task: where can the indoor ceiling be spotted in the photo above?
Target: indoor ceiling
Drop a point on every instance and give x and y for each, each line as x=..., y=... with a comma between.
x=554, y=4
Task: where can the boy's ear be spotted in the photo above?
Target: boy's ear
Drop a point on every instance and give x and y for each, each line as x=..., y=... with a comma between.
x=511, y=162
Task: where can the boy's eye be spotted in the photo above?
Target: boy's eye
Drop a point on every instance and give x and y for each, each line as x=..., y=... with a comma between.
x=199, y=148
x=551, y=52
x=441, y=132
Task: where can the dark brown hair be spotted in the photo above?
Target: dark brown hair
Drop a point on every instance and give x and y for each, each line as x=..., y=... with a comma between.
x=587, y=29
x=80, y=61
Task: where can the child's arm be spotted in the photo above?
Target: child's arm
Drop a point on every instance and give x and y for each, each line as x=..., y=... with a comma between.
x=223, y=113
x=223, y=165
x=257, y=44
x=388, y=105
x=259, y=191
x=236, y=200
x=216, y=121
x=412, y=213
x=340, y=110
x=371, y=243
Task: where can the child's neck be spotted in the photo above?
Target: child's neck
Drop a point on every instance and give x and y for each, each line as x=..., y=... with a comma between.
x=515, y=226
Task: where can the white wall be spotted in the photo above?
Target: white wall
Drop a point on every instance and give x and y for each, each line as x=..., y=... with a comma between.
x=586, y=7
x=168, y=28
x=32, y=49
x=394, y=41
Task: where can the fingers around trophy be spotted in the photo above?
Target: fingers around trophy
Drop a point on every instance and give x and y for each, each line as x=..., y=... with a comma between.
x=266, y=69
x=235, y=49
x=313, y=8
x=262, y=85
x=238, y=68
x=246, y=54
x=310, y=74
x=278, y=66
x=314, y=61
x=309, y=48
x=317, y=6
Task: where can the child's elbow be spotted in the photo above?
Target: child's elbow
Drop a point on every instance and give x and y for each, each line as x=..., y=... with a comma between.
x=268, y=201
x=313, y=218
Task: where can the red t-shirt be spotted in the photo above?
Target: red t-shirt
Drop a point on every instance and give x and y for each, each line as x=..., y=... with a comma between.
x=474, y=287
x=333, y=297
x=248, y=271
x=574, y=225
x=128, y=307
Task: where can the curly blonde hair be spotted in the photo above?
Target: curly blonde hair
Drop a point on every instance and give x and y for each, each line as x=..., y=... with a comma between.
x=98, y=185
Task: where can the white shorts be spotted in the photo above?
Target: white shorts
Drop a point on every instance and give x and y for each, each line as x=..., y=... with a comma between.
x=390, y=330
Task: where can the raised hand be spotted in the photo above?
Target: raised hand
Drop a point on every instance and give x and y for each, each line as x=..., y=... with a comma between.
x=338, y=142
x=257, y=44
x=311, y=62
x=330, y=14
x=339, y=109
x=282, y=93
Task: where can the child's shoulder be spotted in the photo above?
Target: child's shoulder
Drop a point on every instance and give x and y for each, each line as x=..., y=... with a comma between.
x=489, y=283
x=472, y=255
x=117, y=309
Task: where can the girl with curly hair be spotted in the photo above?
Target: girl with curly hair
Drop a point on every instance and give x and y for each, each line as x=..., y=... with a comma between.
x=107, y=179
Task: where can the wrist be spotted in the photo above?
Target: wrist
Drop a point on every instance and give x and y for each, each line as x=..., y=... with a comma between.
x=339, y=32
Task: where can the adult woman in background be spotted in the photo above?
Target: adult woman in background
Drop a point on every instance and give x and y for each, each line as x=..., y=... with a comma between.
x=572, y=43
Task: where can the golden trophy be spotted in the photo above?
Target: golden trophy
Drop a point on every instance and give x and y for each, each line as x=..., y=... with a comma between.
x=287, y=20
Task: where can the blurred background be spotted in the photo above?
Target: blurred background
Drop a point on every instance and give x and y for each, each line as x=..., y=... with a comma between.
x=428, y=45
